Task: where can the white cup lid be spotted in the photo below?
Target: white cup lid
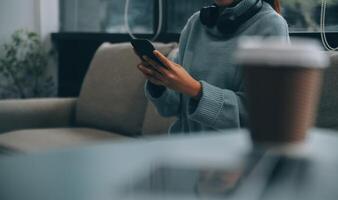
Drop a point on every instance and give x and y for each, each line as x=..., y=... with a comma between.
x=308, y=53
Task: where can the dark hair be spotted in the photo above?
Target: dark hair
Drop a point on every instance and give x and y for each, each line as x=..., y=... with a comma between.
x=275, y=4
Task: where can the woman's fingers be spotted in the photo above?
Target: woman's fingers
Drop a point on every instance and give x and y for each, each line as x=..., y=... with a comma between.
x=162, y=58
x=149, y=72
x=164, y=71
x=161, y=69
x=146, y=64
x=145, y=69
x=151, y=62
x=151, y=78
x=154, y=80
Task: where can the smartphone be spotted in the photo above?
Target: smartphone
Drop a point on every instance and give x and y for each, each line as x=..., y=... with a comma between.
x=145, y=48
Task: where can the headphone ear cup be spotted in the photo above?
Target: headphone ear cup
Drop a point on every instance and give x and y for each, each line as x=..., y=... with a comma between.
x=227, y=24
x=209, y=16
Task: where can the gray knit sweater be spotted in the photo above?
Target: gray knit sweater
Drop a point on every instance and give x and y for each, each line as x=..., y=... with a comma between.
x=208, y=57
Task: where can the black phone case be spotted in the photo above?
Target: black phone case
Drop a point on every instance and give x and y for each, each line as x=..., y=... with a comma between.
x=145, y=48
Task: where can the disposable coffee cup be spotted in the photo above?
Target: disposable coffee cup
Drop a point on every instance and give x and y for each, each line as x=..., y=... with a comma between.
x=283, y=84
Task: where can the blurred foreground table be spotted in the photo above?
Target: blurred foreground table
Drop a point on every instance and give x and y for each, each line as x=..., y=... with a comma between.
x=221, y=165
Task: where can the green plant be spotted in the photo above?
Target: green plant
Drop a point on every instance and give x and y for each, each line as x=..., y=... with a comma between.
x=23, y=67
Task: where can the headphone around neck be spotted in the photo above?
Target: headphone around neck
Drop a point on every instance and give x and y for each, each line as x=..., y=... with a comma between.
x=229, y=19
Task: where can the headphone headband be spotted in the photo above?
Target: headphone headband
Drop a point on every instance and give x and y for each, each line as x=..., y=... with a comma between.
x=231, y=18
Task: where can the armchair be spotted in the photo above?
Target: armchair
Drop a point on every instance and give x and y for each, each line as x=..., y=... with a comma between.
x=111, y=106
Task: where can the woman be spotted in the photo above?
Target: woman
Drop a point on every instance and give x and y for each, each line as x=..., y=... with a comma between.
x=201, y=85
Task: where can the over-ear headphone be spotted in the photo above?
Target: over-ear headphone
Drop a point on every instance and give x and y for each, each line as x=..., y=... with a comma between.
x=229, y=19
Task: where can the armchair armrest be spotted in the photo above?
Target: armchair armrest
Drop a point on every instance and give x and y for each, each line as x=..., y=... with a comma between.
x=36, y=113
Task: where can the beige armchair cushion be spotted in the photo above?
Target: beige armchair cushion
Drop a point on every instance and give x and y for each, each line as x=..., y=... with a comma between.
x=31, y=140
x=328, y=108
x=36, y=113
x=112, y=95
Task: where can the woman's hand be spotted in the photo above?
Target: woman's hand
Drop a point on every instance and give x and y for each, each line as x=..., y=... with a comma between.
x=171, y=75
x=150, y=73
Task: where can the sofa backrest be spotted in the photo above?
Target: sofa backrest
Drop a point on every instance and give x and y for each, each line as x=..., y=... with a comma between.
x=112, y=95
x=327, y=116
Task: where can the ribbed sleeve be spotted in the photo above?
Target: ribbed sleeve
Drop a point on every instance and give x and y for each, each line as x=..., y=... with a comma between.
x=218, y=108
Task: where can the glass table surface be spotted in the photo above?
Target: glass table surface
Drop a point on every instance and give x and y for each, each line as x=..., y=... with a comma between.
x=220, y=165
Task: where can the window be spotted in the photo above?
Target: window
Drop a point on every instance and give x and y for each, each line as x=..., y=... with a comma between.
x=304, y=15
x=108, y=15
x=301, y=15
x=179, y=12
